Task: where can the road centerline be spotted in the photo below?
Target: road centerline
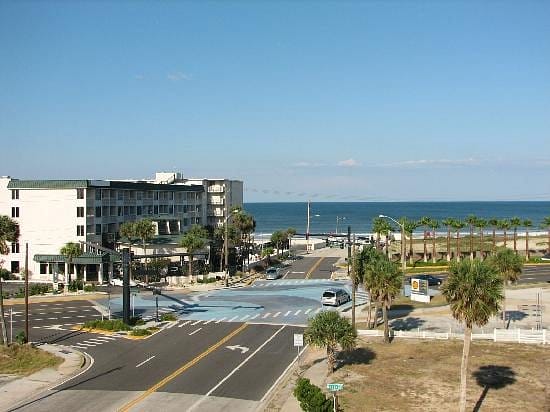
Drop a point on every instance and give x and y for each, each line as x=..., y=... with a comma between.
x=315, y=266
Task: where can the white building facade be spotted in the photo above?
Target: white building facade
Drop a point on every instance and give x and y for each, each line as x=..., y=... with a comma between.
x=51, y=213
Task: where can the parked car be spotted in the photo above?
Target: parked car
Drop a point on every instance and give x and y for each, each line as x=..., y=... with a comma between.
x=335, y=297
x=272, y=273
x=432, y=280
x=118, y=282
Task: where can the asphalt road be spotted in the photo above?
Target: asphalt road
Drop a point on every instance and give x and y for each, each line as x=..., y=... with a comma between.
x=310, y=268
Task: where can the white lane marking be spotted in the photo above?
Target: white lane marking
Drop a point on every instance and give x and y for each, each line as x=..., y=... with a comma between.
x=286, y=314
x=218, y=321
x=195, y=323
x=145, y=361
x=255, y=316
x=528, y=278
x=277, y=314
x=79, y=347
x=244, y=317
x=206, y=395
x=233, y=318
x=93, y=340
x=297, y=312
x=81, y=316
x=86, y=344
x=192, y=333
x=187, y=323
x=266, y=315
x=72, y=311
x=51, y=318
x=170, y=325
x=209, y=321
x=307, y=311
x=107, y=338
x=181, y=325
x=64, y=317
x=35, y=319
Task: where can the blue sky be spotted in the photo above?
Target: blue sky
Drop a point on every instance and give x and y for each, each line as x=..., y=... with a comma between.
x=333, y=101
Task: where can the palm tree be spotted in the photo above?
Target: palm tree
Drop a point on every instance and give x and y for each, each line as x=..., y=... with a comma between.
x=449, y=223
x=379, y=224
x=515, y=222
x=504, y=225
x=527, y=223
x=434, y=225
x=457, y=225
x=474, y=291
x=367, y=267
x=278, y=238
x=70, y=251
x=471, y=220
x=494, y=224
x=290, y=233
x=9, y=233
x=329, y=330
x=425, y=222
x=388, y=281
x=409, y=228
x=144, y=230
x=194, y=239
x=481, y=224
x=546, y=225
x=245, y=224
x=509, y=266
x=361, y=261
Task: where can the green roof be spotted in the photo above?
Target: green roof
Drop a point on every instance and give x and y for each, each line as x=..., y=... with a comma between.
x=48, y=184
x=84, y=259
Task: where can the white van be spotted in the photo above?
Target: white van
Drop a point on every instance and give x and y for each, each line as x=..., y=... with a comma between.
x=335, y=297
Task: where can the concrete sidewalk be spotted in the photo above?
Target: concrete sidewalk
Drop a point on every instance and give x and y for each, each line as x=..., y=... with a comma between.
x=15, y=391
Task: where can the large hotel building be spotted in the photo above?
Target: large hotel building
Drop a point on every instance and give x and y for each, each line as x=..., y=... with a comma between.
x=51, y=213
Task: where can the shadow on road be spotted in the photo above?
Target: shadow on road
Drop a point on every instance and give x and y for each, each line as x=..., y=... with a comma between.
x=493, y=377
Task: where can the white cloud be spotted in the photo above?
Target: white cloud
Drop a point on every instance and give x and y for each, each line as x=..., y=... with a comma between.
x=348, y=163
x=433, y=162
x=307, y=164
x=178, y=76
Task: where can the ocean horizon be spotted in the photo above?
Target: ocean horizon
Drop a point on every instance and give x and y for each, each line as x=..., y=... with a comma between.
x=329, y=217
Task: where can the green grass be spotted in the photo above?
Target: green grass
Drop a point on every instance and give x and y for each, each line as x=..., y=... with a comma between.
x=109, y=325
x=24, y=359
x=168, y=317
x=140, y=332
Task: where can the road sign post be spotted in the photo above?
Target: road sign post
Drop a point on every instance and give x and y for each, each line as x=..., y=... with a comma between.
x=299, y=341
x=334, y=388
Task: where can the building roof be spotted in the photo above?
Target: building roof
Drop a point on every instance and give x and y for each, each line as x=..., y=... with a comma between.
x=105, y=184
x=48, y=184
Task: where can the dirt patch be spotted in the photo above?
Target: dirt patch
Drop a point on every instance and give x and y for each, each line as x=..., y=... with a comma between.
x=414, y=375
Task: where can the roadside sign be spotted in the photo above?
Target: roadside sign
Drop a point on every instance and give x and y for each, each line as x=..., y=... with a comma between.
x=134, y=290
x=335, y=387
x=298, y=339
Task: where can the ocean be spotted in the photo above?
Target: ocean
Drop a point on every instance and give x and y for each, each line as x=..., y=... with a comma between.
x=327, y=217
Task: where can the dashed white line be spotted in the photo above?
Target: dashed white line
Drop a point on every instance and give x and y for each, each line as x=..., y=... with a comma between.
x=297, y=312
x=266, y=315
x=277, y=314
x=195, y=323
x=195, y=331
x=218, y=321
x=288, y=313
x=145, y=361
x=307, y=311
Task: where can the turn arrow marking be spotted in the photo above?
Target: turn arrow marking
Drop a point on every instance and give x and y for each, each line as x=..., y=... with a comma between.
x=243, y=349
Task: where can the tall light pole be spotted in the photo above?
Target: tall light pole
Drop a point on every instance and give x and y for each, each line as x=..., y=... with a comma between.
x=402, y=226
x=226, y=255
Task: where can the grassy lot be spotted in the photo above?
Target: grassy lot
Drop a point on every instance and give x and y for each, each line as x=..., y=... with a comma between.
x=414, y=375
x=24, y=360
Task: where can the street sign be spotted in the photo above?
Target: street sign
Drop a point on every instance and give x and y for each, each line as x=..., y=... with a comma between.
x=298, y=339
x=335, y=387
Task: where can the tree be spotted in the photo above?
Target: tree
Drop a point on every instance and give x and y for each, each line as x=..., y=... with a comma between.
x=425, y=222
x=245, y=225
x=360, y=261
x=144, y=230
x=70, y=251
x=290, y=233
x=434, y=225
x=546, y=225
x=410, y=227
x=311, y=398
x=494, y=225
x=515, y=222
x=471, y=220
x=504, y=225
x=387, y=283
x=474, y=291
x=9, y=233
x=448, y=222
x=278, y=238
x=509, y=266
x=378, y=226
x=193, y=240
x=481, y=224
x=329, y=330
x=527, y=223
x=457, y=225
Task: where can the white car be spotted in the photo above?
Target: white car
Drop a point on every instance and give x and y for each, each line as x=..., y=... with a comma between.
x=335, y=297
x=118, y=282
x=272, y=273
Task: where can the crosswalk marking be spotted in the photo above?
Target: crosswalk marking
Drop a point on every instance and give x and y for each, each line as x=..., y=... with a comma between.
x=277, y=314
x=170, y=325
x=244, y=317
x=297, y=312
x=233, y=318
x=208, y=321
x=218, y=321
x=318, y=310
x=194, y=323
x=266, y=315
x=255, y=316
x=192, y=333
x=307, y=311
x=286, y=314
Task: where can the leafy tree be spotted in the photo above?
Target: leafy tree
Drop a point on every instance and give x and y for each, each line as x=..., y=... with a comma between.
x=509, y=266
x=145, y=230
x=448, y=222
x=494, y=225
x=311, y=398
x=471, y=220
x=546, y=225
x=515, y=222
x=267, y=252
x=245, y=225
x=504, y=225
x=410, y=226
x=9, y=233
x=457, y=226
x=527, y=223
x=329, y=330
x=360, y=260
x=193, y=240
x=70, y=251
x=474, y=291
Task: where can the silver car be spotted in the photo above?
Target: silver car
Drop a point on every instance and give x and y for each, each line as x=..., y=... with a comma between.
x=335, y=297
x=272, y=273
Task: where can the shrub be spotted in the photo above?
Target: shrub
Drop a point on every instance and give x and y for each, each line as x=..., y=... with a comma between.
x=166, y=317
x=5, y=274
x=20, y=338
x=311, y=398
x=110, y=325
x=140, y=332
x=89, y=288
x=75, y=285
x=207, y=280
x=38, y=289
x=136, y=321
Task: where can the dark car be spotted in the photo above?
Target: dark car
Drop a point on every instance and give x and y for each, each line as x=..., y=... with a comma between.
x=432, y=280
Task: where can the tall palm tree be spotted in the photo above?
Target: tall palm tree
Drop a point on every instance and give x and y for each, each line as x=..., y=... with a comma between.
x=70, y=251
x=329, y=330
x=144, y=230
x=504, y=225
x=387, y=285
x=193, y=240
x=278, y=238
x=367, y=266
x=425, y=223
x=448, y=222
x=457, y=226
x=245, y=224
x=494, y=224
x=471, y=220
x=378, y=226
x=515, y=222
x=9, y=233
x=527, y=223
x=481, y=224
x=474, y=291
x=509, y=266
x=290, y=233
x=434, y=225
x=410, y=226
x=546, y=225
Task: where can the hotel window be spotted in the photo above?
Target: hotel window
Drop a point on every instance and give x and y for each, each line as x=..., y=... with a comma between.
x=80, y=193
x=139, y=195
x=98, y=229
x=15, y=248
x=97, y=194
x=98, y=211
x=156, y=195
x=80, y=230
x=15, y=194
x=43, y=268
x=80, y=211
x=156, y=210
x=139, y=210
x=15, y=211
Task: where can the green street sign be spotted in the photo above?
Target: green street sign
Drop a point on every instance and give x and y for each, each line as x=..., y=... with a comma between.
x=134, y=289
x=335, y=387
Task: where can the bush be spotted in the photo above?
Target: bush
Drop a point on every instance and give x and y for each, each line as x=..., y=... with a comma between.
x=167, y=317
x=140, y=332
x=311, y=398
x=207, y=280
x=20, y=338
x=110, y=325
x=136, y=321
x=89, y=288
x=5, y=274
x=38, y=289
x=76, y=285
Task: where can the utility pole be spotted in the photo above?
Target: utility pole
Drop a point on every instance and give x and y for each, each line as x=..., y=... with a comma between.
x=26, y=292
x=307, y=229
x=126, y=286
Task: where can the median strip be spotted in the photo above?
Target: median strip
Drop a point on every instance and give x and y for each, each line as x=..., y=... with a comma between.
x=182, y=369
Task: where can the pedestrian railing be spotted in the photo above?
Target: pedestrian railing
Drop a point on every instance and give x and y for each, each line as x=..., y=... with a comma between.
x=498, y=335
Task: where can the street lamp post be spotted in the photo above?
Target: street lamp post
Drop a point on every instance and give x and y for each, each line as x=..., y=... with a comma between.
x=402, y=226
x=225, y=246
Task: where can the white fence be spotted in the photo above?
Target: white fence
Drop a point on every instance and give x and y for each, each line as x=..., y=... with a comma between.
x=498, y=335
